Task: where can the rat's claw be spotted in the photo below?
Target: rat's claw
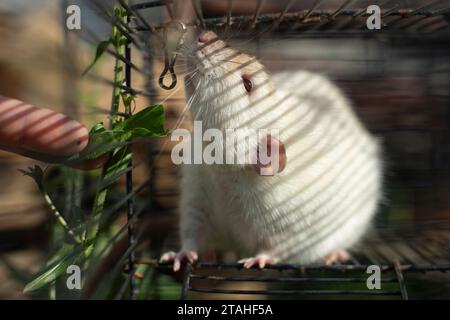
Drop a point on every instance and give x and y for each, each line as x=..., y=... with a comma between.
x=184, y=255
x=261, y=260
x=179, y=257
x=339, y=255
x=168, y=256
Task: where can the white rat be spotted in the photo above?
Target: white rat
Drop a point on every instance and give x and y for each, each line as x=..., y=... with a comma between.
x=325, y=189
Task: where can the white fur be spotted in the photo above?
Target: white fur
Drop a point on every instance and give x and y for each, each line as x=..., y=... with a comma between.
x=323, y=200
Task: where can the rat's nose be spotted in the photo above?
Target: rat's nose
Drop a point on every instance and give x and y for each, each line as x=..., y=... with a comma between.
x=206, y=37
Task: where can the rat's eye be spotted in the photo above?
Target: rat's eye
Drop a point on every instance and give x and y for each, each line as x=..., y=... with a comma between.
x=247, y=83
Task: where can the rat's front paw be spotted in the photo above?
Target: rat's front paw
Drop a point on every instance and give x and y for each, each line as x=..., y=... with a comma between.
x=183, y=255
x=339, y=255
x=261, y=260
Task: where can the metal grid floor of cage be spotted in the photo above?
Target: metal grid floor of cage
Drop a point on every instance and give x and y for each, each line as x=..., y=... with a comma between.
x=397, y=252
x=410, y=254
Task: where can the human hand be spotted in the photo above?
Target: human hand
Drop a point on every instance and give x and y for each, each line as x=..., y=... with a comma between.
x=29, y=130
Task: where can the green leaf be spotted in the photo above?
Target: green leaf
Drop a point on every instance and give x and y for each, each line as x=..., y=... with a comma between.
x=98, y=128
x=147, y=122
x=56, y=266
x=101, y=141
x=120, y=12
x=101, y=48
x=60, y=254
x=119, y=161
x=127, y=99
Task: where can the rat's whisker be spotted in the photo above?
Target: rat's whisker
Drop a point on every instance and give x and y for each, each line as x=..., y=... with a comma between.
x=189, y=102
x=180, y=119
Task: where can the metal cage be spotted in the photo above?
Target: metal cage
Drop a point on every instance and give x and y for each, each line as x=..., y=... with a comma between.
x=417, y=248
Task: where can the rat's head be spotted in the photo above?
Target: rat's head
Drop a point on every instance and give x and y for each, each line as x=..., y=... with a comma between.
x=228, y=89
x=225, y=81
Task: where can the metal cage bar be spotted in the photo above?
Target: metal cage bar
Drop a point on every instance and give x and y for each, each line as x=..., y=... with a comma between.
x=281, y=20
x=190, y=275
x=401, y=281
x=298, y=18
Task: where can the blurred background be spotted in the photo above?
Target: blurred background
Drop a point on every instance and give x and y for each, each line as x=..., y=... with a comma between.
x=398, y=79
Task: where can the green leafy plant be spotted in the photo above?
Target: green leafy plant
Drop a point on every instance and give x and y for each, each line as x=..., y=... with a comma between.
x=80, y=237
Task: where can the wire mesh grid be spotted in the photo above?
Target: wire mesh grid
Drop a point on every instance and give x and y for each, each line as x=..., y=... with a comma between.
x=424, y=18
x=397, y=255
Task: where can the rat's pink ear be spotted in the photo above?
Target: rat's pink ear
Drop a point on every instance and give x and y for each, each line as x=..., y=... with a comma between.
x=271, y=157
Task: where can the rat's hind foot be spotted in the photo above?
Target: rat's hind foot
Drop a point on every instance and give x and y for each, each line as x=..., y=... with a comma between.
x=178, y=258
x=338, y=255
x=261, y=260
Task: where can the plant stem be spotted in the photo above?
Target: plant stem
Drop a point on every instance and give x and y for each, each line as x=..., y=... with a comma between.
x=118, y=80
x=100, y=197
x=59, y=217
